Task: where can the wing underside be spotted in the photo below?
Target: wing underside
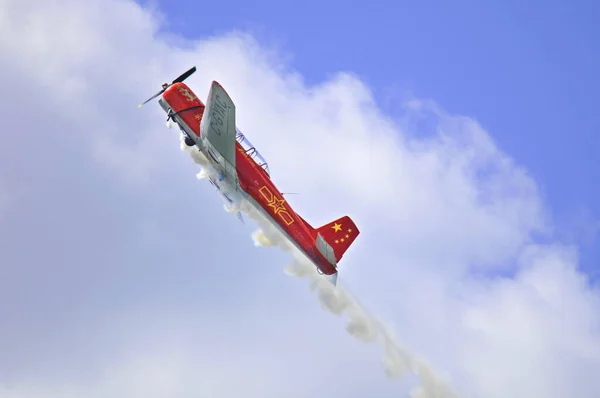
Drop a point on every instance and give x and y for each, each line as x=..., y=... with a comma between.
x=218, y=124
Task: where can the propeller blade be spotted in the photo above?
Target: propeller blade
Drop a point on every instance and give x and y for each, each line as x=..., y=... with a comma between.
x=181, y=78
x=151, y=98
x=185, y=75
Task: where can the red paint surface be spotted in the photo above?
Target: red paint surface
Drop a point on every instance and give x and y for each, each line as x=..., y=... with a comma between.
x=255, y=181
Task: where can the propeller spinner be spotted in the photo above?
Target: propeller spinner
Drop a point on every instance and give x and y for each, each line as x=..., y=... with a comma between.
x=165, y=86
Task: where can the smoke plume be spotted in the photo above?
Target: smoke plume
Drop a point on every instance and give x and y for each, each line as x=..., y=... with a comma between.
x=398, y=361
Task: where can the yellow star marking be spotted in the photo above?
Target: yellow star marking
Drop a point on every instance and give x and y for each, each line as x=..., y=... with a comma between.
x=342, y=240
x=349, y=230
x=197, y=116
x=337, y=241
x=274, y=202
x=277, y=205
x=337, y=227
x=347, y=236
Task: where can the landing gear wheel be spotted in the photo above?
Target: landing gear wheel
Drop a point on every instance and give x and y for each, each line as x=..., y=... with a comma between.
x=189, y=141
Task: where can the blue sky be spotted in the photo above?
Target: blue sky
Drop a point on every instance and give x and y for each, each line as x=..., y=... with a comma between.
x=527, y=73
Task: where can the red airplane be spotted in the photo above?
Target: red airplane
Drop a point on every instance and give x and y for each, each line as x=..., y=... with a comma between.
x=240, y=173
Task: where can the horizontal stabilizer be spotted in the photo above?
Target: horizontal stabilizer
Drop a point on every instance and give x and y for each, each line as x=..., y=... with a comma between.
x=326, y=250
x=333, y=279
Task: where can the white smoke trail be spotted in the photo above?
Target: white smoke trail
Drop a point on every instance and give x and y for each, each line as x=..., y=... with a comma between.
x=260, y=239
x=361, y=325
x=197, y=156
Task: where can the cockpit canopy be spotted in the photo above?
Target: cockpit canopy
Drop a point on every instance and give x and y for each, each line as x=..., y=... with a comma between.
x=251, y=151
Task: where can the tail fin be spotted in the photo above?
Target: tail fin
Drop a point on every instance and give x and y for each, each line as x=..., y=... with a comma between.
x=340, y=234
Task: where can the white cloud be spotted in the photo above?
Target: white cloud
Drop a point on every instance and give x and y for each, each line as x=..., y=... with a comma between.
x=432, y=210
x=537, y=333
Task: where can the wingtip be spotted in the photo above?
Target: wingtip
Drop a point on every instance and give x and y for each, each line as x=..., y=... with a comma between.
x=216, y=83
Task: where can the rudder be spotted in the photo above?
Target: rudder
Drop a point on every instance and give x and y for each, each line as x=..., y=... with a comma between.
x=340, y=234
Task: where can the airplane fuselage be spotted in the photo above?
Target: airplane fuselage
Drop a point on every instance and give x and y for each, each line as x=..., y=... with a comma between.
x=249, y=181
